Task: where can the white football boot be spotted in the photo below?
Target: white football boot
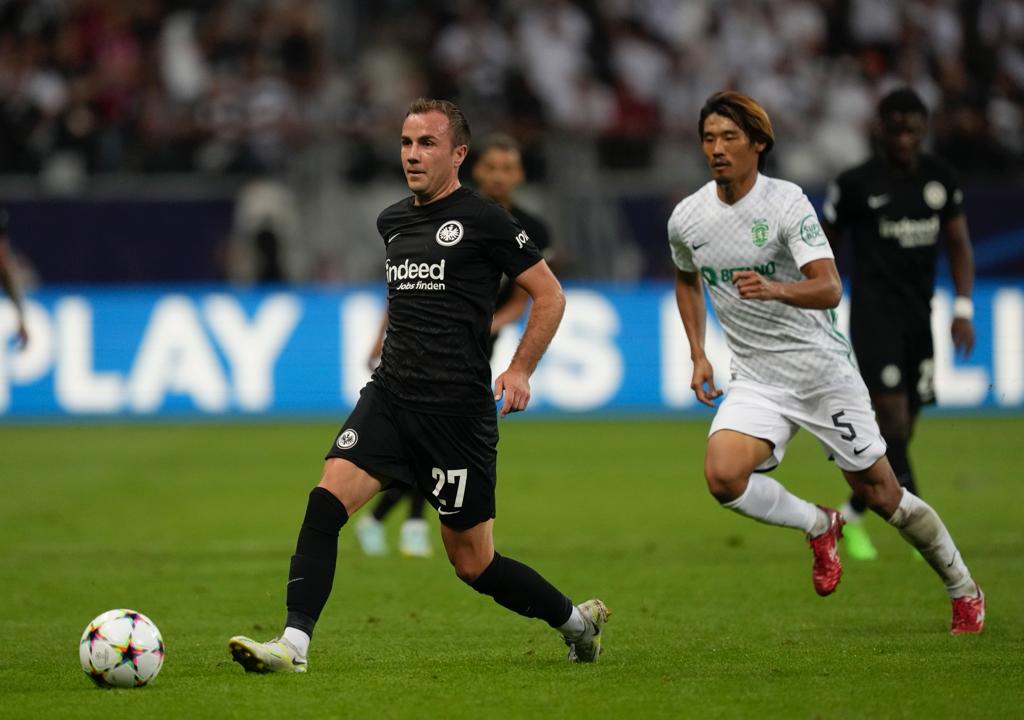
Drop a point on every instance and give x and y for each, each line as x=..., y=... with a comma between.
x=370, y=534
x=414, y=539
x=587, y=647
x=277, y=655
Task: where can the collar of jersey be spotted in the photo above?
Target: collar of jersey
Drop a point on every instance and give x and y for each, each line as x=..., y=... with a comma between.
x=754, y=189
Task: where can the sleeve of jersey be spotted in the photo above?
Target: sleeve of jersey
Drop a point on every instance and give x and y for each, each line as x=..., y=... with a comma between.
x=833, y=209
x=509, y=246
x=682, y=255
x=955, y=202
x=803, y=234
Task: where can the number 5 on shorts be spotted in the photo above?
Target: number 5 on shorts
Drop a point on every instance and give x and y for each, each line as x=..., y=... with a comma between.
x=455, y=477
x=835, y=421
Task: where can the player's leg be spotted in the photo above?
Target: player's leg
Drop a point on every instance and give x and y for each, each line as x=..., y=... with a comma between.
x=892, y=413
x=343, y=489
x=522, y=589
x=922, y=527
x=368, y=447
x=729, y=470
x=456, y=466
x=370, y=527
x=414, y=537
x=750, y=434
x=896, y=423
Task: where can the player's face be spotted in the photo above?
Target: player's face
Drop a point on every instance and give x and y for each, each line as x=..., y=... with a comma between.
x=731, y=155
x=497, y=173
x=429, y=158
x=902, y=134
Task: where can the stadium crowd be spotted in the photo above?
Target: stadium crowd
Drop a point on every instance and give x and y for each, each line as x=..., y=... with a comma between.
x=238, y=86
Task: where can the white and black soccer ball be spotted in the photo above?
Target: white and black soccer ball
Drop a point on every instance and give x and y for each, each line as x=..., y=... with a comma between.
x=121, y=648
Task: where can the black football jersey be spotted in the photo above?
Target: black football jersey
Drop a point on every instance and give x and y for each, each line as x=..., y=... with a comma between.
x=444, y=261
x=538, y=234
x=894, y=220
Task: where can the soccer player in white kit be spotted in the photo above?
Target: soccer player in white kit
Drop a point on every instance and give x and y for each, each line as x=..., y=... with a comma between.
x=756, y=243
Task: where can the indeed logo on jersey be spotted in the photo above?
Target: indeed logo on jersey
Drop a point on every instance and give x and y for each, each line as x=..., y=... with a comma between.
x=423, y=273
x=910, y=233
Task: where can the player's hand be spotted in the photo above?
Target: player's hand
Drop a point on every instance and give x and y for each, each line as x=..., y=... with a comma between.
x=22, y=333
x=963, y=337
x=753, y=285
x=515, y=385
x=703, y=384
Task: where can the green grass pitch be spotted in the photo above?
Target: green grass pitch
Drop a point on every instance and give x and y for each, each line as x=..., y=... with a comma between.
x=714, y=616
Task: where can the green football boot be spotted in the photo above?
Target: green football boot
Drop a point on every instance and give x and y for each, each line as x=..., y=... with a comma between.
x=857, y=544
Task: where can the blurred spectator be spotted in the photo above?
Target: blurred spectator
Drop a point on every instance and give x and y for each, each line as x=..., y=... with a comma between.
x=248, y=86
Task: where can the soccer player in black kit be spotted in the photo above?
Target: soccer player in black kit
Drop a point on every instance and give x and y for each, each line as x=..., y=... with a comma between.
x=497, y=171
x=427, y=417
x=895, y=207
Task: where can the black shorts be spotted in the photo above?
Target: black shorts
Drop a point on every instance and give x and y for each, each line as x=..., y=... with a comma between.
x=451, y=460
x=896, y=360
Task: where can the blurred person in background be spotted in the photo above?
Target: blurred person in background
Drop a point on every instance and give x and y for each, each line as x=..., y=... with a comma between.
x=427, y=418
x=772, y=279
x=497, y=171
x=7, y=280
x=894, y=208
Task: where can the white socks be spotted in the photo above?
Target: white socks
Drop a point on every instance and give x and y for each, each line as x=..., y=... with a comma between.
x=923, y=528
x=851, y=516
x=767, y=501
x=575, y=625
x=297, y=638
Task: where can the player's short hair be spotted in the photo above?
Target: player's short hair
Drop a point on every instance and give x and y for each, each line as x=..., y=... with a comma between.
x=747, y=113
x=498, y=141
x=458, y=127
x=901, y=100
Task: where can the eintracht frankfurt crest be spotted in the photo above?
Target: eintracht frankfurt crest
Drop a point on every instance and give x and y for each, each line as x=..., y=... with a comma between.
x=348, y=439
x=449, y=233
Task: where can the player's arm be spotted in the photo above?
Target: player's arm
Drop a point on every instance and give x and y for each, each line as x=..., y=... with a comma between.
x=833, y=233
x=546, y=313
x=690, y=301
x=7, y=281
x=511, y=310
x=833, y=212
x=961, y=266
x=373, y=358
x=821, y=288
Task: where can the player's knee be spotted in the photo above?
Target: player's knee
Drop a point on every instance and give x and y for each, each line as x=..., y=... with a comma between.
x=879, y=489
x=467, y=571
x=893, y=422
x=466, y=565
x=726, y=480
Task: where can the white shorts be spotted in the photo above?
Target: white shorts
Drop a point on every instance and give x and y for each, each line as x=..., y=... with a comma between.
x=838, y=414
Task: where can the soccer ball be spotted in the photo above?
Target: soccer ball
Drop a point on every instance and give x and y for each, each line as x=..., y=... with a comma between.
x=121, y=648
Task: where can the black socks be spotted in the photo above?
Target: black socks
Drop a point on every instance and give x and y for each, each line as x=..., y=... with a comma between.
x=522, y=590
x=392, y=497
x=312, y=569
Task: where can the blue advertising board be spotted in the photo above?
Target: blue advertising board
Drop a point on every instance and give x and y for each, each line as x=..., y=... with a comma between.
x=197, y=351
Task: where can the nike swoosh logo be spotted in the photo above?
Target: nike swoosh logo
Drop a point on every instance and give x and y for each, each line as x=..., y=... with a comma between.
x=698, y=247
x=877, y=201
x=858, y=452
x=295, y=580
x=392, y=238
x=448, y=512
x=950, y=563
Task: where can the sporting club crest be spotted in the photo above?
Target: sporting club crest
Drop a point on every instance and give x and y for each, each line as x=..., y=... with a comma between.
x=759, y=232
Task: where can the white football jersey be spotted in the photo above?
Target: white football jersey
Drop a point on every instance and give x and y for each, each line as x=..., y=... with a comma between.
x=774, y=230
